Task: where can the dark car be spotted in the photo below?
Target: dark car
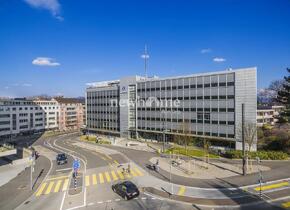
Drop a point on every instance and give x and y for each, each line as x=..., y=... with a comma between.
x=61, y=159
x=126, y=190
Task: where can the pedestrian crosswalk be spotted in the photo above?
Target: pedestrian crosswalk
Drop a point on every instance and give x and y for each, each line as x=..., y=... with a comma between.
x=48, y=187
x=60, y=184
x=110, y=176
x=272, y=186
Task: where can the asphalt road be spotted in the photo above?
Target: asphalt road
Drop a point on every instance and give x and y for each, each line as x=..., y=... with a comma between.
x=56, y=188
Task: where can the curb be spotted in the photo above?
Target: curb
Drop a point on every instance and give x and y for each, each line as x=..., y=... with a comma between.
x=246, y=200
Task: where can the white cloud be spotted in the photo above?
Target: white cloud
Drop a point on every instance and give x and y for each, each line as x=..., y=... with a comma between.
x=44, y=61
x=207, y=50
x=52, y=5
x=6, y=87
x=219, y=59
x=26, y=85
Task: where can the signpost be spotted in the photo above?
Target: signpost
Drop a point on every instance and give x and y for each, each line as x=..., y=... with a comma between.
x=76, y=166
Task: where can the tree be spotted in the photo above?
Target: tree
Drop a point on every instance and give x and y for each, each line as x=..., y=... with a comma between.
x=283, y=97
x=250, y=135
x=185, y=136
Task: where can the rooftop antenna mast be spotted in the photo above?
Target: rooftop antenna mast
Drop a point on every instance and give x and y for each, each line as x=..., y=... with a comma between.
x=145, y=56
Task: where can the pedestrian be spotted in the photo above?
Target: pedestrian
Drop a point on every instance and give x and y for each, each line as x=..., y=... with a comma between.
x=157, y=162
x=128, y=168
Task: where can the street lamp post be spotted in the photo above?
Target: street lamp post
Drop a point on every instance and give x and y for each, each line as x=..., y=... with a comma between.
x=32, y=161
x=260, y=175
x=170, y=175
x=163, y=129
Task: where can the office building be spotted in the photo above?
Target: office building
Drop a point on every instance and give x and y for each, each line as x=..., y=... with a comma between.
x=206, y=105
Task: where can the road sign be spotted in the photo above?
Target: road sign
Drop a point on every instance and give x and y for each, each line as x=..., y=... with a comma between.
x=76, y=164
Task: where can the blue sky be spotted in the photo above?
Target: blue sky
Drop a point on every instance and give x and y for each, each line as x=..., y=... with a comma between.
x=57, y=46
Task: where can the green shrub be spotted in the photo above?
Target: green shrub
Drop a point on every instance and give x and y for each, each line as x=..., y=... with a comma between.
x=103, y=142
x=189, y=152
x=263, y=155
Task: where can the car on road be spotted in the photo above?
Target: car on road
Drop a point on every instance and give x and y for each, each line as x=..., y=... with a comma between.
x=126, y=190
x=61, y=159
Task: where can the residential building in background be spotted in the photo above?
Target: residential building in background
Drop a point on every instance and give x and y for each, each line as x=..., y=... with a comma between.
x=208, y=105
x=51, y=113
x=22, y=116
x=70, y=114
x=268, y=114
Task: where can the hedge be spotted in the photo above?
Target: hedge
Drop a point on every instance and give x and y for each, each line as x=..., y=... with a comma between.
x=189, y=152
x=263, y=155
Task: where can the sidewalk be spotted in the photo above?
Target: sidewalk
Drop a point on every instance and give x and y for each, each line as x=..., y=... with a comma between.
x=227, y=197
x=9, y=171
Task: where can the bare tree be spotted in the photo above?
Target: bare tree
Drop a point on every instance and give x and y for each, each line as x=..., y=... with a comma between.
x=250, y=135
x=206, y=146
x=185, y=135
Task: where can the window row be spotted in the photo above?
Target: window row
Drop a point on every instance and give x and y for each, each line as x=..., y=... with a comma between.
x=224, y=135
x=193, y=97
x=186, y=109
x=205, y=120
x=221, y=84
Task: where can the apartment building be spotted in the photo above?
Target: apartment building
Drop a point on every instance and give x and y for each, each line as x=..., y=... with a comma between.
x=20, y=116
x=70, y=114
x=207, y=105
x=51, y=112
x=268, y=114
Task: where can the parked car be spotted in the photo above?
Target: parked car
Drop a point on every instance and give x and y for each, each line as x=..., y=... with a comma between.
x=126, y=190
x=61, y=159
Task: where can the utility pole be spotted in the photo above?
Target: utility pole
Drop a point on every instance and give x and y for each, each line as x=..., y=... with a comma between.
x=260, y=175
x=243, y=140
x=145, y=56
x=163, y=126
x=31, y=170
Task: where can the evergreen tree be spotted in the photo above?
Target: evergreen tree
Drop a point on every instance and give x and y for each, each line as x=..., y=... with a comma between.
x=283, y=97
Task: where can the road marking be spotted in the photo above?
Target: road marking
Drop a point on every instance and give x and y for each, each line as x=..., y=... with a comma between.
x=108, y=177
x=48, y=189
x=40, y=189
x=286, y=204
x=272, y=186
x=101, y=178
x=57, y=186
x=181, y=190
x=108, y=157
x=143, y=198
x=128, y=175
x=87, y=180
x=118, y=199
x=120, y=174
x=94, y=179
x=138, y=172
x=114, y=175
x=100, y=202
x=64, y=169
x=116, y=162
x=90, y=204
x=65, y=185
x=59, y=177
x=133, y=173
x=109, y=201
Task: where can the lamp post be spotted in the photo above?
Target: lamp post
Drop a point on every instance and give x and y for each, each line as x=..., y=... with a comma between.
x=243, y=140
